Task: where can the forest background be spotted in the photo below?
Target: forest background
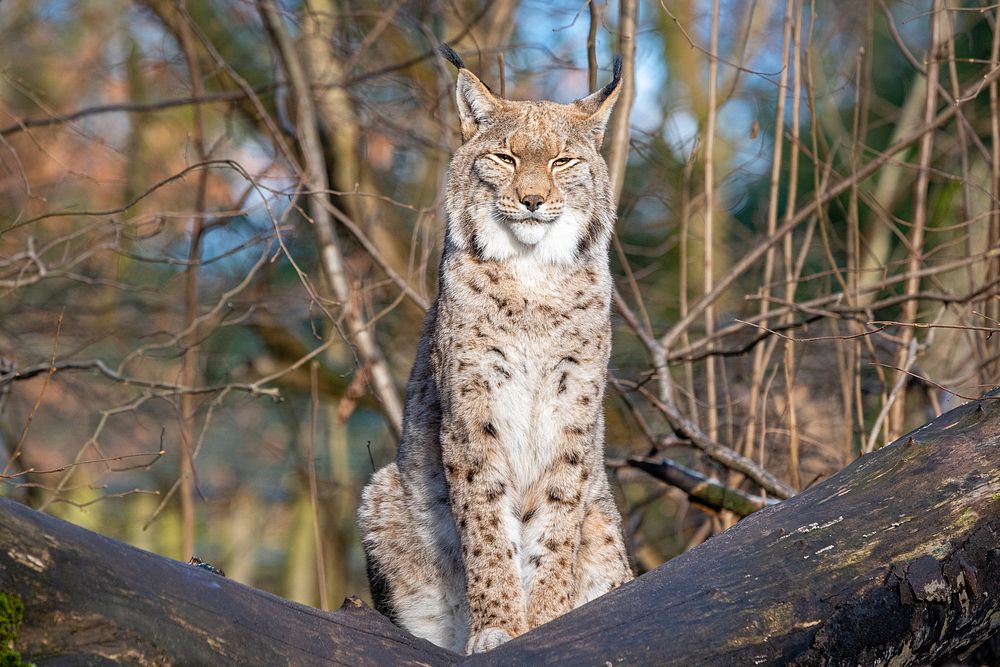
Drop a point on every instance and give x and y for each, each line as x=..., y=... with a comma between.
x=220, y=222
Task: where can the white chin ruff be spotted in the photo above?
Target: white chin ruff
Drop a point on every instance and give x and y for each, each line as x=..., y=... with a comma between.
x=529, y=233
x=540, y=243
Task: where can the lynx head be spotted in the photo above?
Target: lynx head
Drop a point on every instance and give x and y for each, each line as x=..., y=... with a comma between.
x=529, y=179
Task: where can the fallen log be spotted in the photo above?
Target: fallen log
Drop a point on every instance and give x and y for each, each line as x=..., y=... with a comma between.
x=893, y=560
x=89, y=600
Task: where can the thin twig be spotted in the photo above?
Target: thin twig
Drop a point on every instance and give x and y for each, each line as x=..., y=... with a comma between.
x=708, y=230
x=324, y=602
x=618, y=134
x=50, y=370
x=906, y=352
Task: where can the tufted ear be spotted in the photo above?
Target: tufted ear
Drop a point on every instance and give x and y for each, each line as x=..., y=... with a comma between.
x=598, y=106
x=476, y=104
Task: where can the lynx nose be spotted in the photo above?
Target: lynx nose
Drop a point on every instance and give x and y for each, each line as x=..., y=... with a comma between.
x=533, y=202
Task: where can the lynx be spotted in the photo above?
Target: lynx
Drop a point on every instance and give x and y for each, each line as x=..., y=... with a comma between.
x=497, y=515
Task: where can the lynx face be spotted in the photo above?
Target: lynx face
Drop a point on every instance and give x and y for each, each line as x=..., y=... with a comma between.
x=529, y=182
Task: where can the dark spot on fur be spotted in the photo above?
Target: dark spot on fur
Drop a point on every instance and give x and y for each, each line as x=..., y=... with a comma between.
x=551, y=544
x=498, y=351
x=562, y=382
x=477, y=552
x=584, y=474
x=489, y=429
x=591, y=236
x=470, y=475
x=489, y=582
x=584, y=400
x=529, y=515
x=501, y=303
x=575, y=430
x=494, y=493
x=535, y=560
x=573, y=458
x=571, y=360
x=555, y=496
x=500, y=370
x=608, y=539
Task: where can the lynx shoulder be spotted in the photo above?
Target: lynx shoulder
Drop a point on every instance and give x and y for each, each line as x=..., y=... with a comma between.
x=497, y=515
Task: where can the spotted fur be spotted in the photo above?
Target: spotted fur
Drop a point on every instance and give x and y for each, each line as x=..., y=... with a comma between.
x=497, y=515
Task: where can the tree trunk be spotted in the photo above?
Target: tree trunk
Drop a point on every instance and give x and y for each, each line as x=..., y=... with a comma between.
x=894, y=560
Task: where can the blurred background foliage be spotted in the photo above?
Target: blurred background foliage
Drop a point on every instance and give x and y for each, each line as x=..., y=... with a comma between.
x=165, y=297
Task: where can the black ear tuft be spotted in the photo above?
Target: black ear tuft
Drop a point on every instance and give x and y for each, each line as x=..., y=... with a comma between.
x=616, y=76
x=452, y=57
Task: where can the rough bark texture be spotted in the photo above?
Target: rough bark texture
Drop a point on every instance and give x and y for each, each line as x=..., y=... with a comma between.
x=91, y=600
x=894, y=560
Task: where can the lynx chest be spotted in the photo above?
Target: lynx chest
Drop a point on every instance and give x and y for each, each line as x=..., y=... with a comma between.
x=527, y=361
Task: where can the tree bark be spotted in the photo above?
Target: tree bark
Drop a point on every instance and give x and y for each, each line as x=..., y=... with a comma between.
x=894, y=560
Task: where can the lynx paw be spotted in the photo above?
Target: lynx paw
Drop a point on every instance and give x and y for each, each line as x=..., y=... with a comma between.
x=486, y=639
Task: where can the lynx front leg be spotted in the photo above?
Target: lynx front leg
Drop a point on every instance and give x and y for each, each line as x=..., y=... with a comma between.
x=553, y=524
x=480, y=497
x=602, y=562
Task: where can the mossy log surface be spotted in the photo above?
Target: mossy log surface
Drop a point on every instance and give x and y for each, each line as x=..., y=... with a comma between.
x=894, y=560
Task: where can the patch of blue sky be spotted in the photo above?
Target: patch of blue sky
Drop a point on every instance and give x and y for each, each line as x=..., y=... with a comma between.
x=560, y=28
x=54, y=10
x=234, y=247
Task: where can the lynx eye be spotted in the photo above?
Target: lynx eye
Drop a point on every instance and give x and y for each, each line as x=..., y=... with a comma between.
x=503, y=157
x=561, y=162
